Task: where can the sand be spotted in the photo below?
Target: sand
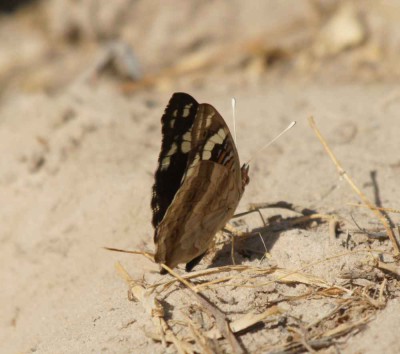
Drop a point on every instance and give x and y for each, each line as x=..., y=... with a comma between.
x=79, y=150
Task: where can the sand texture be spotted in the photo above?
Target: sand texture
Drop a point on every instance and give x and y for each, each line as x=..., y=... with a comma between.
x=83, y=86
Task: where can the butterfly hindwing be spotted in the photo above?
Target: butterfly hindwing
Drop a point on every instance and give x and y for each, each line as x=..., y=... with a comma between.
x=201, y=207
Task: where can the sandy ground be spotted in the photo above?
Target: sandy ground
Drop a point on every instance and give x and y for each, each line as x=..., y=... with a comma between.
x=80, y=149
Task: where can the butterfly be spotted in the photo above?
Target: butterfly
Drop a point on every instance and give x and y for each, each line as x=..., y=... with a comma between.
x=198, y=182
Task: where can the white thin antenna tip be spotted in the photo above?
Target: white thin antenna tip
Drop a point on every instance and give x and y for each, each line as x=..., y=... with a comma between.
x=290, y=126
x=234, y=118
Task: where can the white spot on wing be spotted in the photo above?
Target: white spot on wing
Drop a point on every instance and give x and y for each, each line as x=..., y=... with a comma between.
x=186, y=110
x=222, y=133
x=172, y=123
x=209, y=145
x=165, y=163
x=187, y=136
x=209, y=119
x=185, y=147
x=172, y=150
x=227, y=159
x=189, y=171
x=216, y=139
x=196, y=159
x=206, y=155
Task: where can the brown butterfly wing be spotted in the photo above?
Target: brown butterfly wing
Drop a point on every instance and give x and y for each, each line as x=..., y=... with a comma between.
x=208, y=196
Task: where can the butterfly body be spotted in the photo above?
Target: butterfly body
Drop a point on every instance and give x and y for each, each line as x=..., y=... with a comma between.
x=198, y=183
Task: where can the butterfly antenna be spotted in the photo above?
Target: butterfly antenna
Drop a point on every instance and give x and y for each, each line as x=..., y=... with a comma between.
x=290, y=126
x=234, y=119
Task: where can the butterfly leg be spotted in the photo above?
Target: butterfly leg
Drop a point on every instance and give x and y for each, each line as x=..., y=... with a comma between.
x=194, y=262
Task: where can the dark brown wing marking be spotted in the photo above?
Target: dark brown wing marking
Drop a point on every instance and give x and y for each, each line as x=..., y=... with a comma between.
x=212, y=141
x=177, y=120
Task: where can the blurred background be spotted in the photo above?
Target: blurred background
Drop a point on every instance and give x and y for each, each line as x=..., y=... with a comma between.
x=135, y=44
x=83, y=84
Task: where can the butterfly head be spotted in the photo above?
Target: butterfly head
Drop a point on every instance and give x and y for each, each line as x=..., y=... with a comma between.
x=245, y=175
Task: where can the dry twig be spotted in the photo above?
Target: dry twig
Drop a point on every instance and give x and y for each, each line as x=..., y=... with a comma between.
x=388, y=210
x=344, y=174
x=152, y=307
x=221, y=321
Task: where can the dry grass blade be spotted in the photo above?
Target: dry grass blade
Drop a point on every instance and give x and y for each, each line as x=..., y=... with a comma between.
x=343, y=173
x=148, y=255
x=250, y=319
x=307, y=215
x=247, y=321
x=149, y=302
x=201, y=273
x=323, y=340
x=233, y=230
x=179, y=278
x=152, y=307
x=388, y=210
x=329, y=315
x=250, y=271
x=346, y=327
x=201, y=340
x=282, y=276
x=377, y=303
x=170, y=339
x=221, y=322
x=389, y=268
x=301, y=337
x=216, y=281
x=287, y=276
x=280, y=205
x=295, y=276
x=333, y=225
x=382, y=288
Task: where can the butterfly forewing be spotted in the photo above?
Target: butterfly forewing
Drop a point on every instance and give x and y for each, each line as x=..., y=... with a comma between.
x=177, y=121
x=212, y=141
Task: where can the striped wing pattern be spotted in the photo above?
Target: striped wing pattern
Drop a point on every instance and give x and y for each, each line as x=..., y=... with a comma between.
x=176, y=121
x=207, y=181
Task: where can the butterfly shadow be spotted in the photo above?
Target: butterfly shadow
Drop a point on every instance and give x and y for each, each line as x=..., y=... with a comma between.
x=258, y=241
